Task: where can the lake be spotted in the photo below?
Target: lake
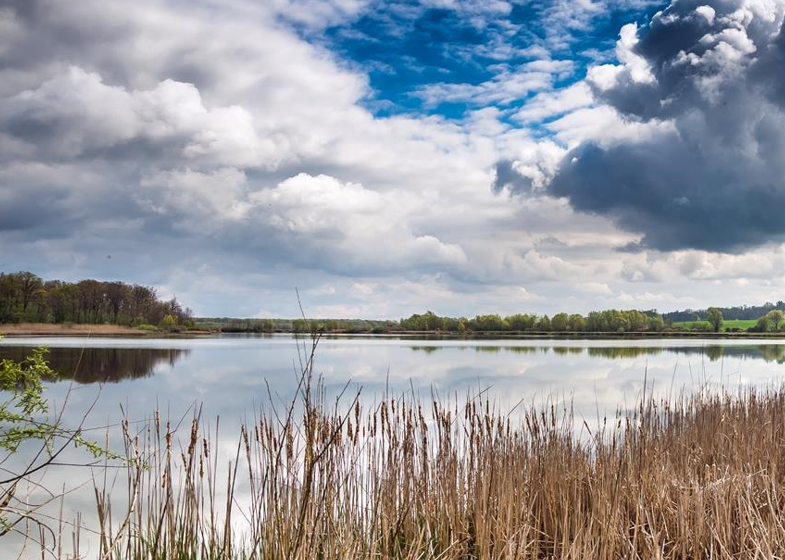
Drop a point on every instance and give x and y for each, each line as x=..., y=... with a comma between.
x=232, y=376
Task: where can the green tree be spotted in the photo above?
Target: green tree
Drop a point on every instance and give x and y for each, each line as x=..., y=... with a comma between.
x=521, y=322
x=560, y=322
x=577, y=322
x=763, y=325
x=489, y=323
x=168, y=322
x=619, y=321
x=776, y=317
x=714, y=317
x=656, y=323
x=29, y=287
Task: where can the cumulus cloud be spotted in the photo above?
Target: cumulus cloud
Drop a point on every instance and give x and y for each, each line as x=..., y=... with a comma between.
x=76, y=114
x=198, y=201
x=234, y=141
x=351, y=226
x=652, y=266
x=314, y=221
x=709, y=173
x=531, y=170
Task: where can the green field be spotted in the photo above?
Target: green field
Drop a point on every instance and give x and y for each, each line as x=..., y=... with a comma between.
x=739, y=324
x=743, y=324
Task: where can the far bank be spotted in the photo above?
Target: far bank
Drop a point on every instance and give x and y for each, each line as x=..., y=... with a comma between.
x=103, y=330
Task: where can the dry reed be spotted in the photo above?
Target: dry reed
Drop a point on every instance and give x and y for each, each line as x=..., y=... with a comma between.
x=699, y=476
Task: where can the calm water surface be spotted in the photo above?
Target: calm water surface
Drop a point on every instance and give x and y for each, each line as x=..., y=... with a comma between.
x=232, y=376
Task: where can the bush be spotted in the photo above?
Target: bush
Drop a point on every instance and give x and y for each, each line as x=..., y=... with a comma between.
x=24, y=417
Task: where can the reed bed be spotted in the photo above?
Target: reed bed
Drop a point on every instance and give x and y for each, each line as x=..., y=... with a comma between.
x=699, y=476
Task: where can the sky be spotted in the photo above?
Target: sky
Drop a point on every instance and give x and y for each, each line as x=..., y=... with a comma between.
x=384, y=158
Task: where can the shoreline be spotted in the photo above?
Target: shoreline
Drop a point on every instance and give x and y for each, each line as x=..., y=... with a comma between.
x=45, y=329
x=11, y=330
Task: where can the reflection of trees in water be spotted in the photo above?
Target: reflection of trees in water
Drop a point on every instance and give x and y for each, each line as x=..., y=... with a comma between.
x=615, y=352
x=487, y=349
x=426, y=349
x=99, y=365
x=714, y=352
x=766, y=352
x=772, y=353
x=527, y=349
x=567, y=350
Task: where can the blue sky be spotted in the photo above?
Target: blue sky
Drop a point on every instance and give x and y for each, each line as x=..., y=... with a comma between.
x=408, y=48
x=385, y=158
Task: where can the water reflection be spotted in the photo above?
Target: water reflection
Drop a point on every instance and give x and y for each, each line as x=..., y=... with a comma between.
x=765, y=352
x=101, y=365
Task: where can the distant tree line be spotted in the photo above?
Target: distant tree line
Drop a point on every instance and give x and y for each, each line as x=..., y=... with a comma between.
x=741, y=312
x=608, y=321
x=349, y=326
x=600, y=321
x=25, y=297
x=612, y=320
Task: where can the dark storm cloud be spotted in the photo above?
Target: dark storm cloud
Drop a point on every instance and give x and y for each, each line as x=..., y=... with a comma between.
x=769, y=71
x=676, y=199
x=507, y=177
x=713, y=178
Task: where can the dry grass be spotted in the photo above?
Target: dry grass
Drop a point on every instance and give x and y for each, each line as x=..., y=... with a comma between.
x=698, y=477
x=70, y=329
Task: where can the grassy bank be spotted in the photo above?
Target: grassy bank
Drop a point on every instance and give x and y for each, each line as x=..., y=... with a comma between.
x=698, y=477
x=72, y=329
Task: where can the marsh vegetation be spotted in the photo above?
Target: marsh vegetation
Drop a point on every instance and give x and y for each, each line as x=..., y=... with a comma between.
x=692, y=476
x=330, y=474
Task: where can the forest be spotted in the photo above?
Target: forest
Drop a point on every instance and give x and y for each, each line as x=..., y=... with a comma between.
x=736, y=313
x=611, y=320
x=27, y=298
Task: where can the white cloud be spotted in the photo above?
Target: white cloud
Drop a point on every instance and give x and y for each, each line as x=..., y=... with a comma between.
x=538, y=266
x=706, y=12
x=504, y=88
x=84, y=115
x=318, y=14
x=604, y=125
x=634, y=64
x=205, y=200
x=594, y=288
x=631, y=65
x=553, y=103
x=367, y=228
